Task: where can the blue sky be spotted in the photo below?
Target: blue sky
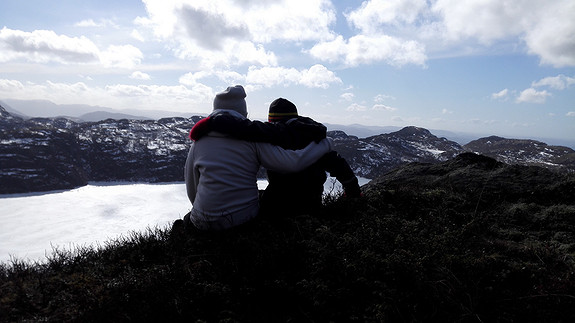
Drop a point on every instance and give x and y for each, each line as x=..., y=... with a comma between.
x=497, y=67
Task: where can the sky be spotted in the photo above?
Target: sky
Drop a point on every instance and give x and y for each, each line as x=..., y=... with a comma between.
x=494, y=67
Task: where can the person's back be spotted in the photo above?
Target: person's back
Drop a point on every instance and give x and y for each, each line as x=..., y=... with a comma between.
x=303, y=191
x=228, y=173
x=220, y=171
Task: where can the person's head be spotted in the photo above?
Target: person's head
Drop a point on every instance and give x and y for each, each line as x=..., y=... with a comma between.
x=233, y=98
x=281, y=110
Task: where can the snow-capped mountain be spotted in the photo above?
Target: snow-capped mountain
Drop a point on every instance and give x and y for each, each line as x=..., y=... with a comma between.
x=373, y=156
x=41, y=154
x=376, y=155
x=524, y=152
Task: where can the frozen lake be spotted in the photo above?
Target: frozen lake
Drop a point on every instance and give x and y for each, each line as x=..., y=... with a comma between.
x=32, y=224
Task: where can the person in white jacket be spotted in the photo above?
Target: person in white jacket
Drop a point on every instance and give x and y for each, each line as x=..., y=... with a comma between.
x=221, y=172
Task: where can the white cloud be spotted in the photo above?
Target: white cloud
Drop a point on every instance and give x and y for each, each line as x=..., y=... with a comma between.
x=42, y=46
x=176, y=98
x=137, y=75
x=228, y=77
x=87, y=23
x=90, y=23
x=210, y=30
x=382, y=97
x=233, y=54
x=317, y=76
x=570, y=114
x=291, y=20
x=500, y=95
x=146, y=90
x=531, y=95
x=375, y=13
x=361, y=49
x=126, y=56
x=193, y=78
x=445, y=111
x=545, y=26
x=150, y=96
x=347, y=96
x=61, y=93
x=271, y=76
x=10, y=86
x=233, y=32
x=381, y=107
x=78, y=87
x=136, y=35
x=356, y=107
x=559, y=82
x=485, y=20
x=551, y=36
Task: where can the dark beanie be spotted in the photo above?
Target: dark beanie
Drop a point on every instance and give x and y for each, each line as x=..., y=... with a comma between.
x=281, y=109
x=233, y=98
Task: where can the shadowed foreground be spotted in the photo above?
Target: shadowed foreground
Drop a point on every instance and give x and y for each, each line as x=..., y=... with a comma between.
x=469, y=240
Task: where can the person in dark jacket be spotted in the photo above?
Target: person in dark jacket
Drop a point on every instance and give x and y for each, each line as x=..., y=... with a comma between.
x=296, y=193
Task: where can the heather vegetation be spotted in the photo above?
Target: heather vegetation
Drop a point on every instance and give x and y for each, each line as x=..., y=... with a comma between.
x=467, y=240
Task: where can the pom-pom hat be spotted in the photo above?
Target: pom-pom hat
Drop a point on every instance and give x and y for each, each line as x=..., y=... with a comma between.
x=233, y=98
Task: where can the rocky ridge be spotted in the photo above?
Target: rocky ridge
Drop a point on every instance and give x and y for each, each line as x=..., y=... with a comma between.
x=42, y=154
x=524, y=152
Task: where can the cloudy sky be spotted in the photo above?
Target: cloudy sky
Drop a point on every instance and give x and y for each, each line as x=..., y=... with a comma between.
x=503, y=67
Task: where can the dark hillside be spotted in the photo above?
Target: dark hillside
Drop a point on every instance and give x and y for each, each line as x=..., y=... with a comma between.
x=467, y=240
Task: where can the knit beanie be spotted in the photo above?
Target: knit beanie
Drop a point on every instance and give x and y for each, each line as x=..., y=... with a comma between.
x=281, y=109
x=233, y=98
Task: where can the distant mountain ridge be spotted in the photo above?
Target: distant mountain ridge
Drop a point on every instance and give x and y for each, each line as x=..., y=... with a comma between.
x=103, y=115
x=376, y=155
x=42, y=154
x=48, y=109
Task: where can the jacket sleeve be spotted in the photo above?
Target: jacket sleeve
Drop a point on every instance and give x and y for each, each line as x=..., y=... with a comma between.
x=288, y=136
x=338, y=167
x=200, y=129
x=306, y=129
x=282, y=160
x=191, y=176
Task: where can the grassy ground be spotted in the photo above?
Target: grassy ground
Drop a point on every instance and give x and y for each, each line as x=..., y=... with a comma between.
x=469, y=240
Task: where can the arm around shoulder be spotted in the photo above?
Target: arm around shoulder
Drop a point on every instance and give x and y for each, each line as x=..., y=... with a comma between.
x=289, y=161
